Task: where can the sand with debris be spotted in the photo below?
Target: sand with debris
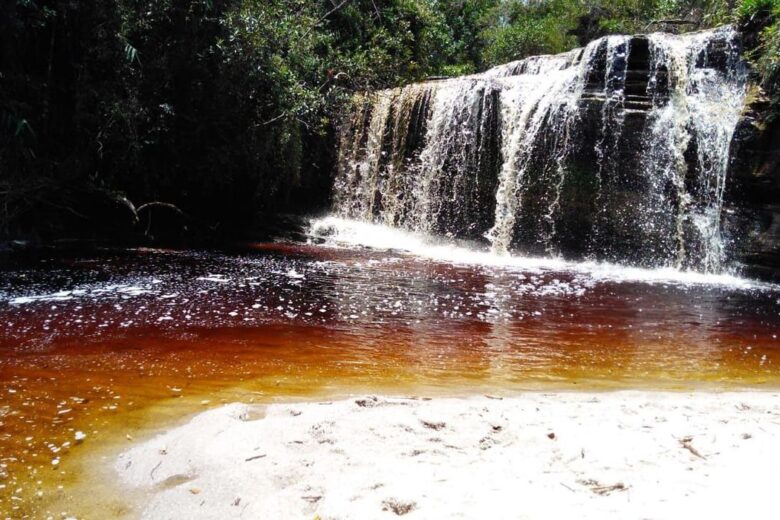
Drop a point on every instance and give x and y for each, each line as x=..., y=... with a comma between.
x=565, y=455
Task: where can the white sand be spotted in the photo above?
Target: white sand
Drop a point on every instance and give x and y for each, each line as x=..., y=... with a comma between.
x=470, y=458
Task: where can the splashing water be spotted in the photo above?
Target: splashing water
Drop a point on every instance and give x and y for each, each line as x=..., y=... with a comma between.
x=616, y=152
x=699, y=111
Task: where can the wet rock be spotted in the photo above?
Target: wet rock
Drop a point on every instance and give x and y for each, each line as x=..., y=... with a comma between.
x=752, y=213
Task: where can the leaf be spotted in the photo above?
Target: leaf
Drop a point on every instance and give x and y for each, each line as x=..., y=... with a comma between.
x=23, y=125
x=131, y=53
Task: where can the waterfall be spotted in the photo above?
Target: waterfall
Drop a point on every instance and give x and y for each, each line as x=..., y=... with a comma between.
x=617, y=152
x=698, y=110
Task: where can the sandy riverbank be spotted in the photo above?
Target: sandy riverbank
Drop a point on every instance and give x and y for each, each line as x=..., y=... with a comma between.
x=563, y=455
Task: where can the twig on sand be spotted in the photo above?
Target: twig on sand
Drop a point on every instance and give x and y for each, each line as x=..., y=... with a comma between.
x=600, y=489
x=685, y=442
x=398, y=507
x=433, y=425
x=151, y=473
x=606, y=490
x=255, y=457
x=567, y=487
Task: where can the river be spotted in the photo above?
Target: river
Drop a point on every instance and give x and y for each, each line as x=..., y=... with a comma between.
x=108, y=342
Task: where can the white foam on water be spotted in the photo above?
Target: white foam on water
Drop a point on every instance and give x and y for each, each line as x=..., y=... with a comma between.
x=216, y=278
x=340, y=232
x=113, y=290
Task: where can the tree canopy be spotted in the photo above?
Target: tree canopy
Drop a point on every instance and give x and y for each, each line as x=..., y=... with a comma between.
x=226, y=107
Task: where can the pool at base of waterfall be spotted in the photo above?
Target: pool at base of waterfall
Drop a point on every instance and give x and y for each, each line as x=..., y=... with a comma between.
x=100, y=345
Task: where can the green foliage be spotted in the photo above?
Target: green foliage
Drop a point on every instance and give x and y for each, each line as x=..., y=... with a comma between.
x=466, y=20
x=518, y=29
x=514, y=30
x=766, y=56
x=749, y=8
x=227, y=109
x=208, y=105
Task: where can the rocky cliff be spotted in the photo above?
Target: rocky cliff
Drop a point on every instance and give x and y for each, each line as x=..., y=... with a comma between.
x=650, y=150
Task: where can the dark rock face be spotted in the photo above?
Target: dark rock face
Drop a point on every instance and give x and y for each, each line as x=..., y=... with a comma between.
x=752, y=216
x=620, y=152
x=603, y=208
x=752, y=219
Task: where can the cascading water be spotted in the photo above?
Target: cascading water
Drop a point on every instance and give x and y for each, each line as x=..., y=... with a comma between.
x=696, y=114
x=617, y=152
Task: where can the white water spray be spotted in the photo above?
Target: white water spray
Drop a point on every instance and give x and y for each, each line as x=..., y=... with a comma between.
x=610, y=152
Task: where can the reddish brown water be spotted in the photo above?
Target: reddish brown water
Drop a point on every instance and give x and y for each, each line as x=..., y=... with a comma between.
x=89, y=344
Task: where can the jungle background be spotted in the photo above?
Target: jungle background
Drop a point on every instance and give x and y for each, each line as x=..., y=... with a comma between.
x=147, y=119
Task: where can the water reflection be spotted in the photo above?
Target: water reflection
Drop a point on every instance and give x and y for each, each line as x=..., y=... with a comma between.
x=87, y=341
x=382, y=304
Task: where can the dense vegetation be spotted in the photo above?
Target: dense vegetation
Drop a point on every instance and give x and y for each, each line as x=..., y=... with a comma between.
x=224, y=110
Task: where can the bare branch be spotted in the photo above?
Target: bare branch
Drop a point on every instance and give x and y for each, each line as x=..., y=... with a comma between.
x=166, y=205
x=322, y=19
x=129, y=205
x=274, y=120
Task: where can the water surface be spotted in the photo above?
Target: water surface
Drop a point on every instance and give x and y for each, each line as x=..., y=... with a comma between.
x=89, y=343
